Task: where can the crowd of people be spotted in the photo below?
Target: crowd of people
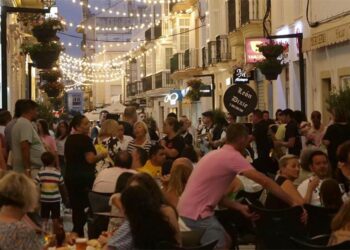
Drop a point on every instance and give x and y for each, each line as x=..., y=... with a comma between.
x=161, y=182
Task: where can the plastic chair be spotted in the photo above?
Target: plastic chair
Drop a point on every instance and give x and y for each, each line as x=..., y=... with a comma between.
x=99, y=202
x=274, y=227
x=302, y=244
x=319, y=220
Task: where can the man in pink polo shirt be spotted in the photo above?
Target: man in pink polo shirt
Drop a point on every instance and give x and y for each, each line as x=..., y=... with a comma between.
x=209, y=181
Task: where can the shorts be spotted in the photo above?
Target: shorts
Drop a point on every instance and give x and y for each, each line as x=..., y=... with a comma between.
x=52, y=208
x=213, y=230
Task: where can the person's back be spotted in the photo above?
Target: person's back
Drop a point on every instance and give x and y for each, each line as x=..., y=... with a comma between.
x=106, y=180
x=17, y=236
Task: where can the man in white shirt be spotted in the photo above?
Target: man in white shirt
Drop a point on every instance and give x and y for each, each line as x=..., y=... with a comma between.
x=310, y=188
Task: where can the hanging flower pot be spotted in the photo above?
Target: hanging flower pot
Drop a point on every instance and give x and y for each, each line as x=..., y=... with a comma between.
x=270, y=67
x=52, y=89
x=45, y=30
x=194, y=93
x=44, y=55
x=272, y=49
x=50, y=75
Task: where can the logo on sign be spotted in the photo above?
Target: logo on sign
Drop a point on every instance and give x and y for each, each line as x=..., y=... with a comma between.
x=240, y=100
x=252, y=50
x=240, y=76
x=172, y=98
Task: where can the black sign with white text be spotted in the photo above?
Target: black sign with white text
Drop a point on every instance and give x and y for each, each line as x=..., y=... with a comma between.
x=240, y=100
x=241, y=76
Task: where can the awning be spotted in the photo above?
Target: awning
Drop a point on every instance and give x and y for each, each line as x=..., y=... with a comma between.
x=327, y=37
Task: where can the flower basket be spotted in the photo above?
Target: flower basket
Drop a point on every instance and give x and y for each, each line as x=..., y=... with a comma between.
x=272, y=49
x=46, y=30
x=44, y=55
x=50, y=75
x=270, y=67
x=52, y=89
x=194, y=93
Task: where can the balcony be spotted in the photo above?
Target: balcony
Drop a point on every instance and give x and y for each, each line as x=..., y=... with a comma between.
x=182, y=5
x=163, y=80
x=218, y=51
x=177, y=62
x=157, y=32
x=147, y=83
x=191, y=58
x=133, y=88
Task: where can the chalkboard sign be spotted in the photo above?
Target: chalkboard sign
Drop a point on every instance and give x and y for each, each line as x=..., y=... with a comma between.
x=240, y=100
x=241, y=76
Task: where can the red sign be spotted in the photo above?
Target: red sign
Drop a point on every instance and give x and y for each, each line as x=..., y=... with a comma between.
x=252, y=54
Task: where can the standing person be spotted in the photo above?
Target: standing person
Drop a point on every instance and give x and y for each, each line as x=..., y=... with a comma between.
x=129, y=119
x=206, y=132
x=152, y=130
x=47, y=140
x=81, y=158
x=231, y=118
x=141, y=138
x=52, y=189
x=335, y=135
x=210, y=180
x=124, y=140
x=278, y=116
x=292, y=140
x=173, y=143
x=61, y=136
x=142, y=116
x=5, y=118
x=27, y=147
x=266, y=117
x=184, y=131
x=317, y=130
x=96, y=130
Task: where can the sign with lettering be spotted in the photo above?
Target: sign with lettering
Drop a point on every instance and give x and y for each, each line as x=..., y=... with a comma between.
x=240, y=100
x=173, y=97
x=252, y=51
x=241, y=76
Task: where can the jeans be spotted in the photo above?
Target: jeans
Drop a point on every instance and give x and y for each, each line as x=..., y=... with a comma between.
x=213, y=230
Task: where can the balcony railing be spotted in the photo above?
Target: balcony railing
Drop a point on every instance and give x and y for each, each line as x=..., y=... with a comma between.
x=177, y=62
x=147, y=83
x=134, y=88
x=163, y=80
x=223, y=50
x=157, y=32
x=191, y=58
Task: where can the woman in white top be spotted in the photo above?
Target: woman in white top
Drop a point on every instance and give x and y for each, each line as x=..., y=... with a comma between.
x=61, y=137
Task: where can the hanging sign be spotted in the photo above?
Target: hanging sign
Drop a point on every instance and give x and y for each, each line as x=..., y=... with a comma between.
x=173, y=97
x=241, y=76
x=240, y=100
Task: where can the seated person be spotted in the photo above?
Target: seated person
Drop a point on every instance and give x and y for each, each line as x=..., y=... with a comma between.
x=309, y=189
x=289, y=168
x=139, y=158
x=341, y=225
x=179, y=174
x=106, y=180
x=331, y=195
x=18, y=195
x=155, y=162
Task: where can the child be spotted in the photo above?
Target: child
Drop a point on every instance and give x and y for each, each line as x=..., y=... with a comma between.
x=51, y=189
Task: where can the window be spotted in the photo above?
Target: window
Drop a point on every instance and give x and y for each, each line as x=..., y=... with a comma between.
x=184, y=39
x=168, y=55
x=231, y=9
x=244, y=12
x=345, y=82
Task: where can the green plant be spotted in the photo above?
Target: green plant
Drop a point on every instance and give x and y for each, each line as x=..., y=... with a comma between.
x=194, y=93
x=52, y=89
x=42, y=48
x=49, y=24
x=338, y=103
x=272, y=49
x=270, y=67
x=46, y=112
x=50, y=75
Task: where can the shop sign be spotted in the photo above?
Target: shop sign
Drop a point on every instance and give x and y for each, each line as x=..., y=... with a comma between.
x=252, y=51
x=241, y=76
x=205, y=90
x=75, y=100
x=173, y=97
x=240, y=100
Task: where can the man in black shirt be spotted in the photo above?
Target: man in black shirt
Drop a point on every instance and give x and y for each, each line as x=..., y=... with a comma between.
x=292, y=138
x=260, y=135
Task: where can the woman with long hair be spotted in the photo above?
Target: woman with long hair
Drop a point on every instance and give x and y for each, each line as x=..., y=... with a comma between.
x=341, y=225
x=48, y=141
x=62, y=133
x=141, y=137
x=81, y=158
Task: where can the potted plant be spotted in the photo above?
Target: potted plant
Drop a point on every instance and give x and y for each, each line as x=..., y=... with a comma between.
x=273, y=49
x=45, y=29
x=270, y=67
x=52, y=89
x=194, y=92
x=339, y=102
x=50, y=75
x=44, y=55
